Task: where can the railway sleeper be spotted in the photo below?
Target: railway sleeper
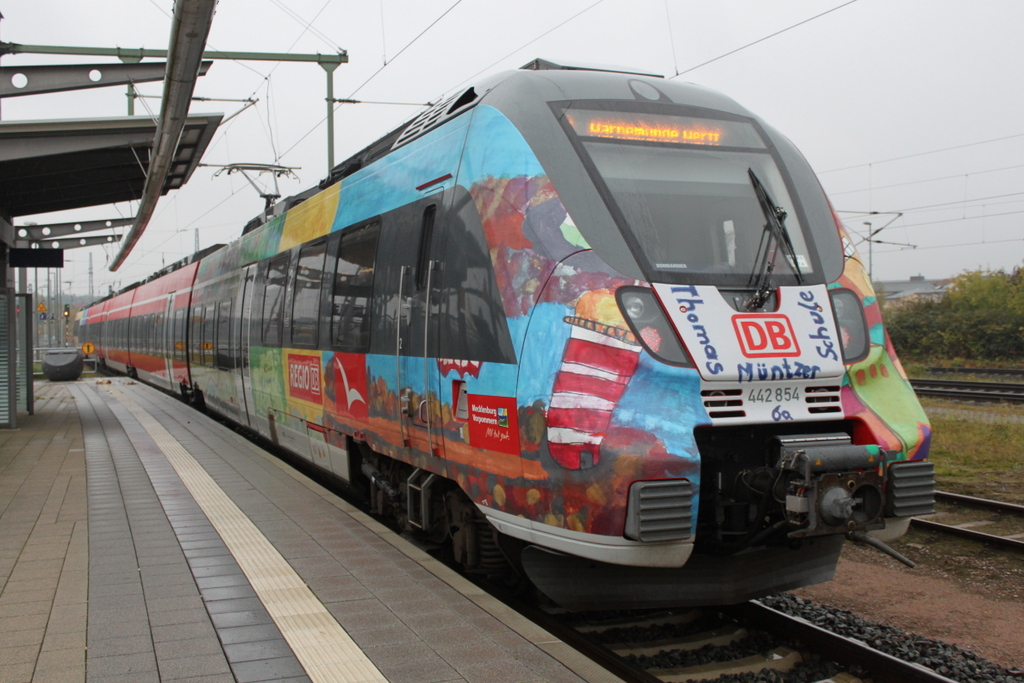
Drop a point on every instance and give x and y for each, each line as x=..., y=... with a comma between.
x=779, y=659
x=726, y=635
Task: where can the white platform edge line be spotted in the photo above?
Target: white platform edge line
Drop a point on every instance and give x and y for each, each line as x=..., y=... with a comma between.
x=564, y=654
x=322, y=646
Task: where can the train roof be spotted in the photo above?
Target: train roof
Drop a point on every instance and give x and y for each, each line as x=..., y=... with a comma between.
x=537, y=81
x=167, y=270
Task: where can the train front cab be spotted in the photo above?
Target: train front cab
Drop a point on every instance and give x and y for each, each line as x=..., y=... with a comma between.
x=754, y=415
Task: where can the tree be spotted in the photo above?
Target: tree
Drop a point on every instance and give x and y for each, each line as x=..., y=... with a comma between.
x=981, y=320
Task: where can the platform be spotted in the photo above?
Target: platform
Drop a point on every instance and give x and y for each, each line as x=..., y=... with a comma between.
x=142, y=541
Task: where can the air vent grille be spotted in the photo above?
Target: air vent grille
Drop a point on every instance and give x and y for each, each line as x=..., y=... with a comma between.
x=660, y=510
x=433, y=116
x=723, y=402
x=911, y=489
x=823, y=399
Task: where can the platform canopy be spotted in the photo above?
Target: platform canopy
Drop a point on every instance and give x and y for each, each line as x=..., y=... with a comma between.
x=54, y=165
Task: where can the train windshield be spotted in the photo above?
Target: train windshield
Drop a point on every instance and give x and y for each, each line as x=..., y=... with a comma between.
x=682, y=188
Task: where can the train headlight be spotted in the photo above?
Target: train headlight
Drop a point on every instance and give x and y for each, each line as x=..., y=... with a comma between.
x=853, y=328
x=633, y=304
x=651, y=326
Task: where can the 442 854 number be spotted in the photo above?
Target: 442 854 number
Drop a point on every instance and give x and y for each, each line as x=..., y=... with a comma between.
x=774, y=395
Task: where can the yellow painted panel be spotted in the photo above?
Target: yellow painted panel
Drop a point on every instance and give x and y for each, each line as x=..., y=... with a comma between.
x=311, y=219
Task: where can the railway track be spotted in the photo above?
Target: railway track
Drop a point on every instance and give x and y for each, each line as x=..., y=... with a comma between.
x=752, y=640
x=971, y=391
x=755, y=641
x=1003, y=372
x=965, y=516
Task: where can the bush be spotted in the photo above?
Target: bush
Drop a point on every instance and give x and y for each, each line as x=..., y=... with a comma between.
x=981, y=319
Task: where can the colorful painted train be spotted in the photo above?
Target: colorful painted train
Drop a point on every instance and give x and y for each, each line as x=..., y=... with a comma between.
x=599, y=327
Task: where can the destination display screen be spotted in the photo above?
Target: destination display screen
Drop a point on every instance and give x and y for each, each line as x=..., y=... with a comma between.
x=681, y=130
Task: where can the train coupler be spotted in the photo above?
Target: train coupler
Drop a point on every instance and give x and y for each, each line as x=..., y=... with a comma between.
x=832, y=485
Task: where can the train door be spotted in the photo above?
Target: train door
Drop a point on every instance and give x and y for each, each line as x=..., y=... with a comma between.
x=180, y=378
x=244, y=333
x=419, y=278
x=166, y=343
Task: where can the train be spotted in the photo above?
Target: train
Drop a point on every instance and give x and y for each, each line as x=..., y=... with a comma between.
x=589, y=327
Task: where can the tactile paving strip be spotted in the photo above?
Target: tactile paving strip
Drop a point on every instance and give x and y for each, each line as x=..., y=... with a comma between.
x=324, y=648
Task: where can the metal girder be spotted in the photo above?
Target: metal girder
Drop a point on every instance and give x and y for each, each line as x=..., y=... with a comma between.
x=62, y=77
x=137, y=54
x=54, y=230
x=72, y=243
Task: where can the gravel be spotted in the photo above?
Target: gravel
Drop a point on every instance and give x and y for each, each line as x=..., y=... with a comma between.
x=655, y=632
x=709, y=654
x=951, y=661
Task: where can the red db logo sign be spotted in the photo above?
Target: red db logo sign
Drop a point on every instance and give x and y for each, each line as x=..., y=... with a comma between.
x=765, y=336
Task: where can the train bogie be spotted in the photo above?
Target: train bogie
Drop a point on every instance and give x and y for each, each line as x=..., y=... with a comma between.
x=600, y=328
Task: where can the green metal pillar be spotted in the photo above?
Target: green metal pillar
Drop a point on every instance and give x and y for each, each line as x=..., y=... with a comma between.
x=329, y=67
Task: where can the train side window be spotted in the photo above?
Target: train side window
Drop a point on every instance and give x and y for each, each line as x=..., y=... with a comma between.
x=426, y=237
x=142, y=334
x=306, y=298
x=273, y=299
x=207, y=336
x=196, y=336
x=158, y=335
x=353, y=289
x=178, y=334
x=222, y=343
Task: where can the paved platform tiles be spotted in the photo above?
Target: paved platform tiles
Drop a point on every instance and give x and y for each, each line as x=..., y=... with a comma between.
x=203, y=558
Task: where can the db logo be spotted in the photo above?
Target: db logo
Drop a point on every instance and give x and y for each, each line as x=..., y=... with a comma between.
x=765, y=336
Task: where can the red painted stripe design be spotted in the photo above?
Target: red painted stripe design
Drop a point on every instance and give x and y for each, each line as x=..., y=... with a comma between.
x=620, y=361
x=570, y=382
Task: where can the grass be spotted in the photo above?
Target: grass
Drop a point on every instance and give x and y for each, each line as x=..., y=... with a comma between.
x=978, y=450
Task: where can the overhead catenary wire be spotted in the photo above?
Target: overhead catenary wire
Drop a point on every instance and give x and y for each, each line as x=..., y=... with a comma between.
x=307, y=26
x=671, y=38
x=927, y=180
x=761, y=40
x=925, y=207
x=383, y=35
x=364, y=83
x=274, y=133
x=960, y=219
x=407, y=45
x=525, y=45
x=265, y=82
x=921, y=154
x=952, y=246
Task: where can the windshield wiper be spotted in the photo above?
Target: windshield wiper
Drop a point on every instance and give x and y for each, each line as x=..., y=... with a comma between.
x=774, y=232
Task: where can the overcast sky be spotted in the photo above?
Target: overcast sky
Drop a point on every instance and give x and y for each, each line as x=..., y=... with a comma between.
x=909, y=106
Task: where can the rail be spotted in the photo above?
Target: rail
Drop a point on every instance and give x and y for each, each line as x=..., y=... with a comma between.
x=1007, y=372
x=1011, y=542
x=884, y=667
x=966, y=390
